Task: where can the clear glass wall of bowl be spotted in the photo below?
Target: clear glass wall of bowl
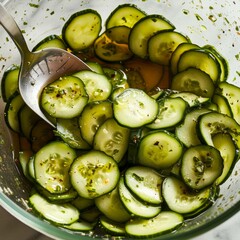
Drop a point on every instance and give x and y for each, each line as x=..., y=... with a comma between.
x=205, y=22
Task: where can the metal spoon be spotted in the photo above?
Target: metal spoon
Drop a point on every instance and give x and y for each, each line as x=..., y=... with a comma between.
x=38, y=68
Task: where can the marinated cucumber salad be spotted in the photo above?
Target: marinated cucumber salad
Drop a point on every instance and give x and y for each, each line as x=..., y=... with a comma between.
x=142, y=141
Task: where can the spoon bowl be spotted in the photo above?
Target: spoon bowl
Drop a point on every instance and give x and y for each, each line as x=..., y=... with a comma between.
x=39, y=68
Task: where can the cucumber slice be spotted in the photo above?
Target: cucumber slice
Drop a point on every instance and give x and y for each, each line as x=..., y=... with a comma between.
x=27, y=120
x=117, y=77
x=91, y=215
x=192, y=99
x=171, y=112
x=118, y=80
x=201, y=166
x=193, y=80
x=92, y=117
x=186, y=132
x=24, y=157
x=228, y=150
x=212, y=123
x=159, y=150
x=112, y=207
x=81, y=29
x=57, y=213
x=134, y=108
x=181, y=199
x=97, y=86
x=93, y=174
x=57, y=198
x=51, y=164
x=112, y=139
x=162, y=44
x=83, y=203
x=31, y=170
x=223, y=105
x=52, y=41
x=201, y=59
x=116, y=92
x=124, y=15
x=143, y=30
x=9, y=83
x=95, y=66
x=211, y=106
x=145, y=183
x=11, y=111
x=221, y=60
x=231, y=93
x=112, y=227
x=64, y=98
x=80, y=225
x=133, y=205
x=164, y=222
x=181, y=48
x=69, y=131
x=112, y=45
x=41, y=134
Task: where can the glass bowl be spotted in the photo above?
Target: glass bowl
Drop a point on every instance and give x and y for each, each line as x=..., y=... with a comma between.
x=206, y=22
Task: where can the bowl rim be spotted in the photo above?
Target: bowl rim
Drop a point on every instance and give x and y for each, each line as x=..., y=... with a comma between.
x=49, y=230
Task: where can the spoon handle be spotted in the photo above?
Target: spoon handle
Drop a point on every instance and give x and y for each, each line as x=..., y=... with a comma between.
x=9, y=24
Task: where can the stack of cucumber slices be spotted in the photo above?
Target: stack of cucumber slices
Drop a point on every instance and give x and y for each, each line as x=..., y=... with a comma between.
x=142, y=142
